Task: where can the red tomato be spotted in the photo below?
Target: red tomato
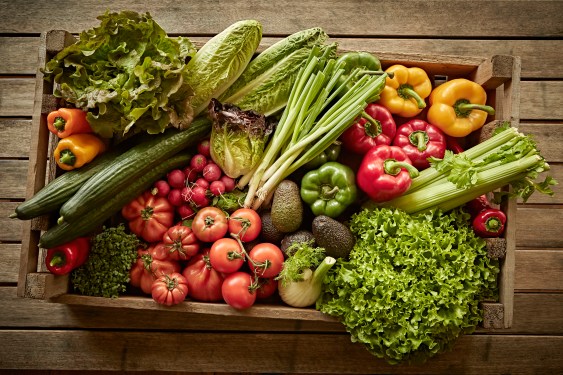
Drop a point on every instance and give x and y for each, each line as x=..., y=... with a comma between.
x=210, y=224
x=246, y=223
x=239, y=290
x=170, y=289
x=149, y=216
x=267, y=288
x=181, y=242
x=226, y=255
x=268, y=259
x=204, y=282
x=151, y=264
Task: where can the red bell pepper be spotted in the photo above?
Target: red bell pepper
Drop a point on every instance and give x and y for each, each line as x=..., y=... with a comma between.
x=61, y=260
x=477, y=205
x=453, y=144
x=489, y=223
x=67, y=121
x=376, y=127
x=420, y=140
x=385, y=173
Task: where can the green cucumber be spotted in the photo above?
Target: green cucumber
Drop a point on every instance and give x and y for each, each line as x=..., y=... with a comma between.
x=130, y=166
x=67, y=231
x=53, y=195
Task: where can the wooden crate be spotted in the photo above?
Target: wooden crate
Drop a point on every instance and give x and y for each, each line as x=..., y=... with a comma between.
x=499, y=75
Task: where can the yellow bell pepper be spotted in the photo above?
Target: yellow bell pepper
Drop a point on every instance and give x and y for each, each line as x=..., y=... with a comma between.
x=77, y=150
x=404, y=94
x=458, y=107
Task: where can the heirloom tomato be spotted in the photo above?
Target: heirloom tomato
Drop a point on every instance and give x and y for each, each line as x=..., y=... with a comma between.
x=170, y=289
x=149, y=216
x=151, y=263
x=204, y=282
x=181, y=242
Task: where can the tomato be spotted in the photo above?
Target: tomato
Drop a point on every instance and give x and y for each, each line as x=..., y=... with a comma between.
x=267, y=288
x=226, y=255
x=151, y=263
x=149, y=216
x=210, y=224
x=204, y=282
x=246, y=223
x=169, y=289
x=268, y=259
x=181, y=242
x=239, y=290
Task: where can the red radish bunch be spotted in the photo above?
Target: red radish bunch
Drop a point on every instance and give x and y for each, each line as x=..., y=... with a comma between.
x=194, y=186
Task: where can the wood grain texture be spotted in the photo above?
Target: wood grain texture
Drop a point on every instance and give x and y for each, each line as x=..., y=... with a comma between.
x=279, y=353
x=10, y=229
x=15, y=139
x=539, y=269
x=539, y=227
x=9, y=259
x=12, y=174
x=534, y=18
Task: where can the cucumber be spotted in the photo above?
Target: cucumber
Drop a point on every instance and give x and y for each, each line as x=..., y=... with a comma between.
x=130, y=166
x=53, y=195
x=67, y=231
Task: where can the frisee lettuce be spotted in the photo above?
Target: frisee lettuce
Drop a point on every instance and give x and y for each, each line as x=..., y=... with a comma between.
x=127, y=73
x=412, y=285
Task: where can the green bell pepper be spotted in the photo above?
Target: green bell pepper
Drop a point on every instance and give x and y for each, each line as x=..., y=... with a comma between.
x=330, y=189
x=331, y=153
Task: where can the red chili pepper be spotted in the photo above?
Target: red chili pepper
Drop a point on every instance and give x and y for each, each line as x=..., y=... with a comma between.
x=67, y=121
x=62, y=259
x=375, y=127
x=453, y=144
x=477, y=205
x=385, y=173
x=489, y=223
x=420, y=140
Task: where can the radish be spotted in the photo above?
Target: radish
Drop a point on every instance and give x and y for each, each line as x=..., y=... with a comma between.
x=198, y=162
x=212, y=172
x=176, y=178
x=191, y=174
x=175, y=197
x=185, y=211
x=160, y=188
x=229, y=183
x=199, y=196
x=217, y=188
x=204, y=148
x=202, y=182
x=187, y=194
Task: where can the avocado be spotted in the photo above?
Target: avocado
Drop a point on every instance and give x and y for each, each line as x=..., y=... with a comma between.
x=269, y=232
x=297, y=237
x=335, y=237
x=287, y=207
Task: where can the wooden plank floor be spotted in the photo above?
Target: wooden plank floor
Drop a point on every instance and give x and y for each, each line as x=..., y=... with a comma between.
x=38, y=337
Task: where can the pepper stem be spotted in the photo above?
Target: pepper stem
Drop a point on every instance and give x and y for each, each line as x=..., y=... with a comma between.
x=67, y=157
x=407, y=92
x=393, y=167
x=493, y=224
x=57, y=260
x=419, y=138
x=59, y=124
x=463, y=108
x=372, y=127
x=328, y=192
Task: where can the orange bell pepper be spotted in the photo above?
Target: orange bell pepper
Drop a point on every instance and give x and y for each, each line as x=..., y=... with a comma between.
x=77, y=150
x=458, y=107
x=67, y=121
x=404, y=94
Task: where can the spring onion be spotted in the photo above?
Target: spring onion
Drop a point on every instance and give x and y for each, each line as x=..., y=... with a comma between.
x=320, y=108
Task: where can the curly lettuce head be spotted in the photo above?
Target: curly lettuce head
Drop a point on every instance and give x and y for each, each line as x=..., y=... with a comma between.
x=413, y=283
x=238, y=138
x=127, y=73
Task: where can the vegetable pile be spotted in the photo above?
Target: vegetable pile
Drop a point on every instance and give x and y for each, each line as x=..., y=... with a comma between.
x=299, y=176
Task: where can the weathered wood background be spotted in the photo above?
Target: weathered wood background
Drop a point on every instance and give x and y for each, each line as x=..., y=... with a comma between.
x=38, y=337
